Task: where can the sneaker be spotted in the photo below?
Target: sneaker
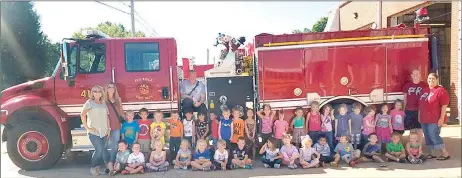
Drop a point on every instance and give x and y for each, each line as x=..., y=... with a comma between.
x=411, y=160
x=333, y=164
x=206, y=169
x=266, y=166
x=106, y=171
x=277, y=166
x=194, y=169
x=163, y=169
x=94, y=171
x=247, y=166
x=233, y=166
x=321, y=164
x=185, y=167
x=124, y=172
x=402, y=160
x=295, y=166
x=176, y=167
x=292, y=166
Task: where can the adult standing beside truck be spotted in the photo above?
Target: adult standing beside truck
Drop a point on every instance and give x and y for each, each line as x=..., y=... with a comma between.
x=192, y=94
x=116, y=118
x=96, y=121
x=412, y=90
x=432, y=114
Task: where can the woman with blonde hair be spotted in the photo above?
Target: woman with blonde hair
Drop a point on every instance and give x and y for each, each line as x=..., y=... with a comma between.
x=96, y=121
x=116, y=118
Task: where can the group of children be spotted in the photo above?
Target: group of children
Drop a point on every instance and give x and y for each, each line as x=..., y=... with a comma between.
x=233, y=139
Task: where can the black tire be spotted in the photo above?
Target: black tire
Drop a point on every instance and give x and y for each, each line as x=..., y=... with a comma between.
x=51, y=134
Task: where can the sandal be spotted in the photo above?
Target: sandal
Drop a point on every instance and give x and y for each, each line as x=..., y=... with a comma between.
x=431, y=157
x=442, y=158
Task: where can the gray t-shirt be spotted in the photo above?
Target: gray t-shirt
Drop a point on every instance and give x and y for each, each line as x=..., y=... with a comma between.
x=184, y=154
x=97, y=117
x=324, y=150
x=186, y=87
x=344, y=149
x=368, y=149
x=122, y=157
x=356, y=122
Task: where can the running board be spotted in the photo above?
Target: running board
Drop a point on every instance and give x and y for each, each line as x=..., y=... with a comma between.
x=80, y=140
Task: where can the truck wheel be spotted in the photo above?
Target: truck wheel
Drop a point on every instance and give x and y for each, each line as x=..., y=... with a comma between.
x=34, y=145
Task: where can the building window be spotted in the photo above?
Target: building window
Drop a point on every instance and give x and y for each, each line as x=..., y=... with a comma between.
x=142, y=57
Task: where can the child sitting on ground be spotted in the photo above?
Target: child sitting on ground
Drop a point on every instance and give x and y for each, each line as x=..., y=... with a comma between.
x=414, y=150
x=201, y=157
x=309, y=157
x=183, y=157
x=121, y=158
x=135, y=161
x=158, y=159
x=373, y=151
x=345, y=152
x=323, y=148
x=395, y=149
x=220, y=158
x=289, y=152
x=272, y=157
x=241, y=155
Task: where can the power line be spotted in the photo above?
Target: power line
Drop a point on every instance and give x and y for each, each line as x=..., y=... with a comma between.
x=117, y=9
x=147, y=23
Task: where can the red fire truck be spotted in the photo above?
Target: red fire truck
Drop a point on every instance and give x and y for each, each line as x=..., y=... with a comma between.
x=41, y=117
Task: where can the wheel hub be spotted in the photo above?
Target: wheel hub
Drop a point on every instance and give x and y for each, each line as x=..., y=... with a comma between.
x=33, y=146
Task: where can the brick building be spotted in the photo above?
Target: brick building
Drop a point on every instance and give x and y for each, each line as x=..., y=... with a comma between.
x=444, y=23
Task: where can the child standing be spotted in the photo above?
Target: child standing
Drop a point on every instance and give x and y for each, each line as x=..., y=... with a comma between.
x=251, y=130
x=397, y=117
x=241, y=155
x=383, y=125
x=414, y=150
x=372, y=150
x=135, y=161
x=183, y=158
x=368, y=124
x=121, y=158
x=289, y=153
x=176, y=133
x=130, y=129
x=298, y=126
x=280, y=128
x=144, y=137
x=220, y=158
x=395, y=149
x=158, y=159
x=309, y=157
x=345, y=152
x=356, y=120
x=201, y=157
x=342, y=122
x=189, y=127
x=202, y=127
x=238, y=126
x=158, y=128
x=266, y=115
x=326, y=126
x=214, y=124
x=272, y=157
x=323, y=148
x=314, y=121
x=225, y=130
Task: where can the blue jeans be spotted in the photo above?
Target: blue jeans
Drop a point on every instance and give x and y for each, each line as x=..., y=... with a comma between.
x=174, y=146
x=432, y=136
x=330, y=139
x=100, y=152
x=314, y=136
x=113, y=144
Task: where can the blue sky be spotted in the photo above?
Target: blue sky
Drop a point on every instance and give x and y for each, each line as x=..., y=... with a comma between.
x=194, y=25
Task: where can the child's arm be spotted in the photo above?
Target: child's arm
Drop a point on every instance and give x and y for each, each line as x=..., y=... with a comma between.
x=262, y=149
x=420, y=151
x=219, y=130
x=232, y=129
x=260, y=113
x=273, y=113
x=307, y=120
x=403, y=151
x=246, y=157
x=305, y=127
x=292, y=124
x=177, y=158
x=180, y=124
x=369, y=123
x=206, y=131
x=390, y=126
x=279, y=156
x=136, y=137
x=349, y=125
x=408, y=149
x=364, y=150
x=286, y=128
x=122, y=136
x=336, y=126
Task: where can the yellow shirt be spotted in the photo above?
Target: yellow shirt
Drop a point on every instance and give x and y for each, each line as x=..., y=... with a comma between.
x=157, y=128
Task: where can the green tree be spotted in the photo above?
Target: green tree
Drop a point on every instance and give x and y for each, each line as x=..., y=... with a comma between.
x=320, y=25
x=305, y=30
x=109, y=28
x=23, y=47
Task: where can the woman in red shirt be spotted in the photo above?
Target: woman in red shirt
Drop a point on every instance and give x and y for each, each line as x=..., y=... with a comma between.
x=432, y=111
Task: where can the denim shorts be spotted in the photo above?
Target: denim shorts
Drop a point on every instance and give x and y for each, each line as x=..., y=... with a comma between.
x=432, y=136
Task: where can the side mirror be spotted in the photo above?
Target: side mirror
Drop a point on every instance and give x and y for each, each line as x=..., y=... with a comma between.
x=63, y=59
x=164, y=92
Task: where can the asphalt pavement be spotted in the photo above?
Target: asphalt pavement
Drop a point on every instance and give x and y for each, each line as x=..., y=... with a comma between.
x=432, y=168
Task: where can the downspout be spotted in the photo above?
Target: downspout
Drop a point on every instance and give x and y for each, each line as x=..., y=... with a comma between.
x=459, y=100
x=379, y=14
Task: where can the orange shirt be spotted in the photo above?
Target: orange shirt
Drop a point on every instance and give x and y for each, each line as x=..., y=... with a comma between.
x=176, y=127
x=238, y=129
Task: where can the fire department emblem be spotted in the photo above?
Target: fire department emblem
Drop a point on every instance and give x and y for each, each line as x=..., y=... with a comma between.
x=144, y=88
x=344, y=80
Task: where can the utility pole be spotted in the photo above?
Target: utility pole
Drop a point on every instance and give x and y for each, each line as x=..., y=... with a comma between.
x=208, y=56
x=379, y=14
x=132, y=8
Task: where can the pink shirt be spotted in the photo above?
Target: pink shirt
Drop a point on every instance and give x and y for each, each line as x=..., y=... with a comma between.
x=397, y=119
x=314, y=122
x=266, y=125
x=368, y=130
x=279, y=128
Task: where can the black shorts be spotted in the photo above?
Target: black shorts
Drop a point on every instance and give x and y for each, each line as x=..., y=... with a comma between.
x=411, y=120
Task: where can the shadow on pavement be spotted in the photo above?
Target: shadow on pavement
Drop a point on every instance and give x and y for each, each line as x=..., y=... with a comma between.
x=80, y=167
